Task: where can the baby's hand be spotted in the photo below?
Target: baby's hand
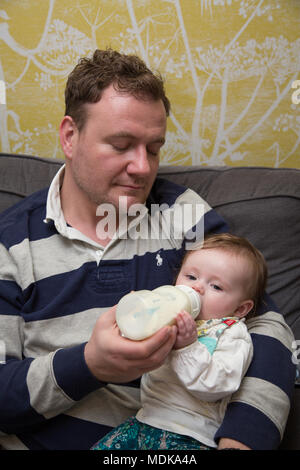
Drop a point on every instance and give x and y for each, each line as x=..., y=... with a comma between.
x=187, y=330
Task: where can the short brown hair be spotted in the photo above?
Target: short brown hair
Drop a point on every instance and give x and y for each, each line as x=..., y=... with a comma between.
x=128, y=74
x=242, y=247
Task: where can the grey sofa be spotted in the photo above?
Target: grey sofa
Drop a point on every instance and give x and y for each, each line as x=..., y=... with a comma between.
x=260, y=203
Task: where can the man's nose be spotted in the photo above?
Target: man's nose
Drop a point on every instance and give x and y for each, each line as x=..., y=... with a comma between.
x=139, y=163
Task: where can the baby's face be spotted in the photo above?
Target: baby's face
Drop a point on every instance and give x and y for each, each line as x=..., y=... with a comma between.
x=220, y=278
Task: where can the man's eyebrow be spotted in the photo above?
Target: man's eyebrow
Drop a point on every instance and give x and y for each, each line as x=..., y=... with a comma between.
x=124, y=134
x=120, y=134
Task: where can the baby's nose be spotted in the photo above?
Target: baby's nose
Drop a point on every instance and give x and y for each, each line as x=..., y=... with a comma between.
x=198, y=288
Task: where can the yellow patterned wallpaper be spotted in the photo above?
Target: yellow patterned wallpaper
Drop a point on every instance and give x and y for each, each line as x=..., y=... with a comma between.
x=229, y=67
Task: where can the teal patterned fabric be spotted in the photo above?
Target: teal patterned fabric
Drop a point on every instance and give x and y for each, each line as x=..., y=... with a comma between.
x=134, y=435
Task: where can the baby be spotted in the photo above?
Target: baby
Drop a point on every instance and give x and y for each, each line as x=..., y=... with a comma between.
x=184, y=400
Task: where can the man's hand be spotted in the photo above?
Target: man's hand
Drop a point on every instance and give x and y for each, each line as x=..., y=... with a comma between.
x=187, y=330
x=226, y=443
x=113, y=358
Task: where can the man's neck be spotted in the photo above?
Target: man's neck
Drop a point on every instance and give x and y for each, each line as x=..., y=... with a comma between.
x=79, y=212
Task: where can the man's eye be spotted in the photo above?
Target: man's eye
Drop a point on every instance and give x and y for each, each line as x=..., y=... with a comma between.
x=119, y=148
x=153, y=152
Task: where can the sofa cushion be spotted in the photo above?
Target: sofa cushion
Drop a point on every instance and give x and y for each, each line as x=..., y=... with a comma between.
x=262, y=204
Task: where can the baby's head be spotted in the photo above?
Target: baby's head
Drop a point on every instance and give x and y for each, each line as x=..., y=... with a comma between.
x=229, y=273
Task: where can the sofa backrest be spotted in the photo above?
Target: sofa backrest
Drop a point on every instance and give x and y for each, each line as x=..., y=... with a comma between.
x=262, y=204
x=22, y=175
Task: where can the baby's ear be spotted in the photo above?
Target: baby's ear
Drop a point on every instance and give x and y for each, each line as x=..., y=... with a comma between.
x=244, y=308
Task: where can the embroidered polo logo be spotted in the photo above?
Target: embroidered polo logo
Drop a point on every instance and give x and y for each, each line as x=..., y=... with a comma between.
x=159, y=260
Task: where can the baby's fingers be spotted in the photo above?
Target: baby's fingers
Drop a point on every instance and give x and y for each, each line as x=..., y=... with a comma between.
x=181, y=324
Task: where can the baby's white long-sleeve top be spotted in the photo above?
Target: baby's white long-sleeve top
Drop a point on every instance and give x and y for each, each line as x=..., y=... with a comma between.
x=189, y=393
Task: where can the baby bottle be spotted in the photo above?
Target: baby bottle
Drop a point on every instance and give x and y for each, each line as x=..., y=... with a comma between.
x=140, y=314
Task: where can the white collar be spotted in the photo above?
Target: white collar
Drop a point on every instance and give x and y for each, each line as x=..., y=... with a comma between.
x=54, y=212
x=53, y=208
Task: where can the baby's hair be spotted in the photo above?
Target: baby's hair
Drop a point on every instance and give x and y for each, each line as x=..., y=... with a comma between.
x=240, y=246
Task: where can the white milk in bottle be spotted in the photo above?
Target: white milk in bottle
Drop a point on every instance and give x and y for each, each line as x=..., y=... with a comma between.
x=140, y=314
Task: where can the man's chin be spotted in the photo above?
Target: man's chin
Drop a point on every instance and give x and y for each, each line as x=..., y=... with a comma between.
x=127, y=202
x=127, y=199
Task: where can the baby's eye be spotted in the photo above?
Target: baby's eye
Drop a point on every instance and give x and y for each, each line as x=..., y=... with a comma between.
x=216, y=287
x=191, y=277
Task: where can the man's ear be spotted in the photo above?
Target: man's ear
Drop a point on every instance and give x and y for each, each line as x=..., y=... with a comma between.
x=67, y=132
x=244, y=308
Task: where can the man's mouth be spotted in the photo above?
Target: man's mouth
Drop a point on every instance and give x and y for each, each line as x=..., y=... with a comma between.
x=132, y=187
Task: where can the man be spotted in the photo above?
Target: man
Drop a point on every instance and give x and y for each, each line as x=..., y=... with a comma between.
x=69, y=376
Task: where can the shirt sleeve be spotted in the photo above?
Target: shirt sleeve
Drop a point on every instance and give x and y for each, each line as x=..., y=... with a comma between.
x=192, y=218
x=33, y=389
x=211, y=377
x=258, y=411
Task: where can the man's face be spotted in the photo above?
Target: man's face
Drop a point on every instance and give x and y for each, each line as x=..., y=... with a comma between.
x=117, y=151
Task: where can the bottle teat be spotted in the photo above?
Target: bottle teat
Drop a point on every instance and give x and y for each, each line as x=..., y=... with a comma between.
x=194, y=299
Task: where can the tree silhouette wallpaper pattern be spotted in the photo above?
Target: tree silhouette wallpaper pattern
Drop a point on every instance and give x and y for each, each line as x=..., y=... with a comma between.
x=228, y=67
